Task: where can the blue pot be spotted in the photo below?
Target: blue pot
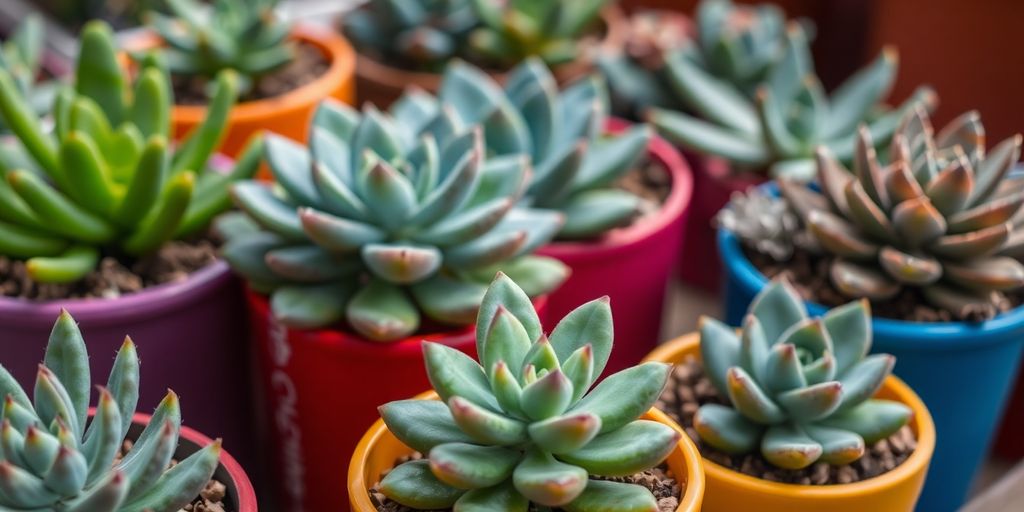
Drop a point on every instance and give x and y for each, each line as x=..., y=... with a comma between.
x=963, y=371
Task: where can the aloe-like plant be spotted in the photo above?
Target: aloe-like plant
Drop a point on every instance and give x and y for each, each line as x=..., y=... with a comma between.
x=941, y=216
x=21, y=56
x=245, y=36
x=422, y=35
x=790, y=115
x=520, y=426
x=548, y=29
x=387, y=216
x=799, y=389
x=562, y=134
x=55, y=458
x=105, y=180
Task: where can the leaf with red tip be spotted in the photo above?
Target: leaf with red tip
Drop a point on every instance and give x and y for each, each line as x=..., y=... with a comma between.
x=548, y=396
x=918, y=222
x=401, y=263
x=563, y=434
x=864, y=379
x=788, y=447
x=639, y=445
x=484, y=426
x=973, y=244
x=813, y=402
x=901, y=184
x=107, y=494
x=548, y=482
x=868, y=170
x=857, y=281
x=951, y=189
x=839, y=237
x=996, y=273
x=748, y=398
x=838, y=446
x=726, y=429
x=469, y=466
x=986, y=215
x=866, y=214
x=917, y=270
x=590, y=324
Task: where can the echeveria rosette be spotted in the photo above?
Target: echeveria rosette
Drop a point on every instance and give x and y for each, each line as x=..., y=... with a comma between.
x=423, y=35
x=790, y=115
x=105, y=180
x=942, y=216
x=575, y=164
x=21, y=56
x=56, y=458
x=386, y=216
x=520, y=426
x=799, y=389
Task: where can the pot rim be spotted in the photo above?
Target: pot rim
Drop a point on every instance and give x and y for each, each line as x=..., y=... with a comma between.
x=923, y=425
x=689, y=501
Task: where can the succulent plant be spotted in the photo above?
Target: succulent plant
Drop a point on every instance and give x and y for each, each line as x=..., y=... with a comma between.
x=940, y=216
x=55, y=459
x=105, y=181
x=548, y=29
x=561, y=132
x=800, y=389
x=765, y=223
x=386, y=216
x=421, y=35
x=520, y=426
x=244, y=36
x=778, y=130
x=21, y=56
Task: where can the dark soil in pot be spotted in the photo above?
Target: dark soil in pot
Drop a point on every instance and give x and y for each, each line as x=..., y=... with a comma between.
x=308, y=64
x=213, y=498
x=689, y=388
x=648, y=181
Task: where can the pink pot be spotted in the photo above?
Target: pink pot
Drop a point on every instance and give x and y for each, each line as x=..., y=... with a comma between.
x=713, y=185
x=631, y=265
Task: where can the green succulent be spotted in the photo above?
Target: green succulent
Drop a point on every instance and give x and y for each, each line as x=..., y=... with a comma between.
x=422, y=35
x=941, y=216
x=244, y=36
x=562, y=133
x=520, y=426
x=55, y=459
x=790, y=116
x=105, y=181
x=548, y=29
x=21, y=56
x=388, y=215
x=800, y=389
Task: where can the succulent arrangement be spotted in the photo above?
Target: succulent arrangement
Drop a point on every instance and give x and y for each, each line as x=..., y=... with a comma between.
x=800, y=389
x=54, y=458
x=21, y=56
x=561, y=133
x=105, y=181
x=520, y=426
x=765, y=223
x=942, y=216
x=419, y=35
x=387, y=216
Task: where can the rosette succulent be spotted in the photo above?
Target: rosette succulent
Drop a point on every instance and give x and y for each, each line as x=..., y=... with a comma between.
x=21, y=56
x=764, y=222
x=386, y=216
x=799, y=389
x=575, y=164
x=105, y=181
x=56, y=458
x=790, y=115
x=421, y=35
x=939, y=217
x=520, y=426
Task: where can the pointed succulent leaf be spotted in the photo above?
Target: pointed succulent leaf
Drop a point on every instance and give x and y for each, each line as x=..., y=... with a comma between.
x=748, y=398
x=179, y=485
x=994, y=169
x=918, y=270
x=612, y=496
x=579, y=368
x=501, y=497
x=973, y=244
x=782, y=370
x=841, y=238
x=777, y=307
x=548, y=482
x=448, y=299
x=850, y=329
x=504, y=293
x=422, y=424
x=636, y=446
x=625, y=395
x=854, y=280
x=413, y=484
x=589, y=324
x=484, y=426
x=720, y=350
x=469, y=466
x=872, y=420
x=726, y=429
x=507, y=390
x=789, y=447
x=336, y=234
x=67, y=357
x=382, y=311
x=838, y=447
x=986, y=214
x=996, y=273
x=312, y=305
x=564, y=434
x=401, y=264
x=453, y=373
x=547, y=396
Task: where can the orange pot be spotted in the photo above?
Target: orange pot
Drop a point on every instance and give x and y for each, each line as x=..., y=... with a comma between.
x=895, y=491
x=379, y=449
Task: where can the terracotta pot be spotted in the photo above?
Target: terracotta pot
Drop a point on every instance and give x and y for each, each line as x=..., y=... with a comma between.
x=631, y=265
x=895, y=491
x=319, y=392
x=381, y=84
x=379, y=449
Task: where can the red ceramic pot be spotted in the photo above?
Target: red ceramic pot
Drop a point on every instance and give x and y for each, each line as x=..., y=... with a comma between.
x=320, y=393
x=713, y=185
x=631, y=265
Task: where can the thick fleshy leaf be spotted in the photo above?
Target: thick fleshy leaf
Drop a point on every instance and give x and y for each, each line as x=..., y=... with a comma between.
x=541, y=356
x=453, y=373
x=564, y=434
x=833, y=179
x=422, y=424
x=839, y=237
x=849, y=326
x=778, y=306
x=413, y=484
x=506, y=340
x=858, y=281
x=987, y=214
x=754, y=347
x=609, y=159
x=500, y=497
x=951, y=189
x=388, y=195
x=589, y=324
x=710, y=97
x=469, y=466
x=851, y=101
x=912, y=269
x=707, y=138
x=448, y=299
x=291, y=165
x=788, y=447
x=873, y=420
x=311, y=306
x=593, y=212
x=782, y=370
x=609, y=496
x=719, y=349
x=68, y=359
x=639, y=445
x=918, y=222
x=548, y=482
x=901, y=184
x=624, y=396
x=503, y=292
x=309, y=264
x=813, y=402
x=490, y=249
x=838, y=446
x=579, y=368
x=401, y=264
x=864, y=379
x=257, y=201
x=996, y=273
x=484, y=426
x=507, y=390
x=465, y=226
x=810, y=338
x=337, y=234
x=993, y=170
x=547, y=396
x=382, y=312
x=726, y=429
x=748, y=398
x=867, y=169
x=973, y=244
x=866, y=214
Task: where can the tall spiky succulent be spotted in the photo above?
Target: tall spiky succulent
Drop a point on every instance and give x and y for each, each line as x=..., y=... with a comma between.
x=105, y=181
x=561, y=132
x=56, y=459
x=386, y=216
x=245, y=36
x=800, y=389
x=778, y=130
x=940, y=216
x=520, y=426
x=21, y=56
x=422, y=35
x=548, y=29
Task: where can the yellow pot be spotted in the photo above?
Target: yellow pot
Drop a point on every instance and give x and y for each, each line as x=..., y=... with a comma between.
x=379, y=449
x=895, y=491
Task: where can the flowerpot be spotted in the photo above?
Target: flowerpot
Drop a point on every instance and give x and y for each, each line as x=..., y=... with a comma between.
x=381, y=84
x=714, y=183
x=320, y=390
x=1009, y=442
x=379, y=449
x=895, y=491
x=240, y=494
x=963, y=371
x=631, y=265
x=190, y=337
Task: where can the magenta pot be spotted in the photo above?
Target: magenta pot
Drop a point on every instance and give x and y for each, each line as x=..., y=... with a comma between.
x=631, y=265
x=714, y=183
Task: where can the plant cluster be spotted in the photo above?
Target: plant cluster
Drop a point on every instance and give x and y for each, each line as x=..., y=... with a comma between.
x=21, y=56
